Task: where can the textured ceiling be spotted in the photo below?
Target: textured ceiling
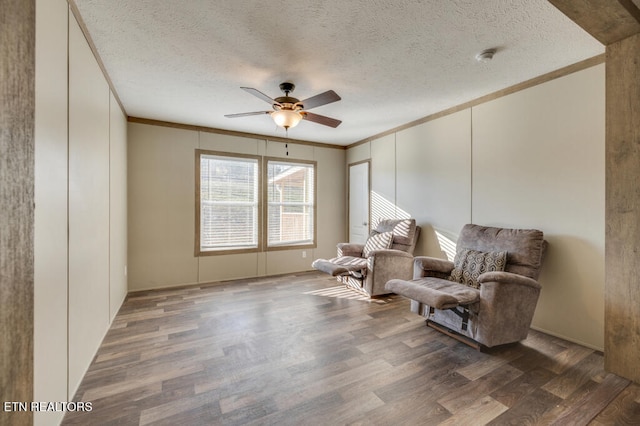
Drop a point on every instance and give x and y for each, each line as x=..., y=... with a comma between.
x=391, y=61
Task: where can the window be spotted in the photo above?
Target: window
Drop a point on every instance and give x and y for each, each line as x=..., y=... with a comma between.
x=227, y=197
x=236, y=213
x=290, y=193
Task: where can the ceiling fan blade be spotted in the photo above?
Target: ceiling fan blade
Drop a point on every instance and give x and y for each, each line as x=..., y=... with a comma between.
x=321, y=119
x=259, y=94
x=245, y=114
x=321, y=99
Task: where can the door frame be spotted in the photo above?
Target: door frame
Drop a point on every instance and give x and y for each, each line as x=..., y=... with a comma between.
x=349, y=165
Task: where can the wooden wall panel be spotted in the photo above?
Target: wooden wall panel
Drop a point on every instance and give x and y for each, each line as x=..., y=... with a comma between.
x=622, y=324
x=608, y=21
x=17, y=106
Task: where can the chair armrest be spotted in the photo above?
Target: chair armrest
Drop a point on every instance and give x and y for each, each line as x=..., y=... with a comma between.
x=350, y=249
x=384, y=265
x=508, y=278
x=424, y=266
x=507, y=303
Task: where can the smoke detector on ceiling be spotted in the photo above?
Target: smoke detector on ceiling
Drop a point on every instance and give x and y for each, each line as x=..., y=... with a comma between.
x=486, y=55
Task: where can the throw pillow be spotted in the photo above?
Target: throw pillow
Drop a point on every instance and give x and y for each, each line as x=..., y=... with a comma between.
x=377, y=242
x=469, y=264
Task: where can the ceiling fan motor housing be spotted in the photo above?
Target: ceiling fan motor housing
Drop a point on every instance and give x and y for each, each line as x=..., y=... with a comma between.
x=287, y=87
x=286, y=101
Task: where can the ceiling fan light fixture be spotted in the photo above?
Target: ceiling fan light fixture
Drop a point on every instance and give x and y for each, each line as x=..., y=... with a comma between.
x=286, y=118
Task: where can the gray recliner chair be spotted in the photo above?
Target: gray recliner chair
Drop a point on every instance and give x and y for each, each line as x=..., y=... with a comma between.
x=488, y=295
x=387, y=254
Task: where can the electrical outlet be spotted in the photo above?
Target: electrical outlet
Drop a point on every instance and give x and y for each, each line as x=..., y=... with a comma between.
x=125, y=270
x=304, y=254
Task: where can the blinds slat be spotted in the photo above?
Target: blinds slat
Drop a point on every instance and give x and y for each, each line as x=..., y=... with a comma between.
x=228, y=202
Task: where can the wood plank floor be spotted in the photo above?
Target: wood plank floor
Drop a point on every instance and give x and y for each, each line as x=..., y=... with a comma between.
x=297, y=349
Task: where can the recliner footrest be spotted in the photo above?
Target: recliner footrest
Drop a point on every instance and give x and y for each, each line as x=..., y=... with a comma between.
x=344, y=265
x=435, y=292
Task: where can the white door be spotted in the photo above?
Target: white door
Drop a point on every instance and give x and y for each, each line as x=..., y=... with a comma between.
x=359, y=202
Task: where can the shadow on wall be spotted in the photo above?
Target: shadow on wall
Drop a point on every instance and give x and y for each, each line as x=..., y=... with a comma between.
x=435, y=242
x=447, y=244
x=381, y=208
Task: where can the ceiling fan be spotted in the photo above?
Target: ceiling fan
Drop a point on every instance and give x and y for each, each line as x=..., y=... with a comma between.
x=289, y=111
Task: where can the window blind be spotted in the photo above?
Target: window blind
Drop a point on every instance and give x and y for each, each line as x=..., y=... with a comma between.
x=290, y=203
x=229, y=194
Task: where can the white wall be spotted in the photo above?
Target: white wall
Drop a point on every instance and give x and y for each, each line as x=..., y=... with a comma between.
x=532, y=159
x=88, y=205
x=161, y=164
x=383, y=181
x=117, y=207
x=332, y=219
x=80, y=229
x=161, y=219
x=538, y=159
x=434, y=178
x=50, y=238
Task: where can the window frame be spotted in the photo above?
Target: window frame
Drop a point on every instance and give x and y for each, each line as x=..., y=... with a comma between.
x=265, y=195
x=259, y=216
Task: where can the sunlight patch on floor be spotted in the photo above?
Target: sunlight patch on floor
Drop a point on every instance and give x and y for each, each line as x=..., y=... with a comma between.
x=343, y=292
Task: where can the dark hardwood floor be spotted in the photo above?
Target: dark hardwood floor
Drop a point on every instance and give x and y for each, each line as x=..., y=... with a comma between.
x=298, y=350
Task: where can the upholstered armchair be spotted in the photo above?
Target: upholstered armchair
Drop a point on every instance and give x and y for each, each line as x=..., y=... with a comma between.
x=387, y=254
x=488, y=295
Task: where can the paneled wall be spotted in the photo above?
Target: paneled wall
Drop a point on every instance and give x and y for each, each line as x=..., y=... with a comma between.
x=538, y=161
x=80, y=223
x=88, y=205
x=617, y=26
x=117, y=207
x=161, y=188
x=51, y=213
x=531, y=159
x=440, y=197
x=161, y=206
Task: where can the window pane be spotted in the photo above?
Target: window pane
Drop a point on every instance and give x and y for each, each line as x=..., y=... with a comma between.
x=228, y=226
x=228, y=202
x=290, y=192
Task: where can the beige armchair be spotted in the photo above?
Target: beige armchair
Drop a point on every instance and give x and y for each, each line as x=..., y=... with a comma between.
x=488, y=295
x=388, y=254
